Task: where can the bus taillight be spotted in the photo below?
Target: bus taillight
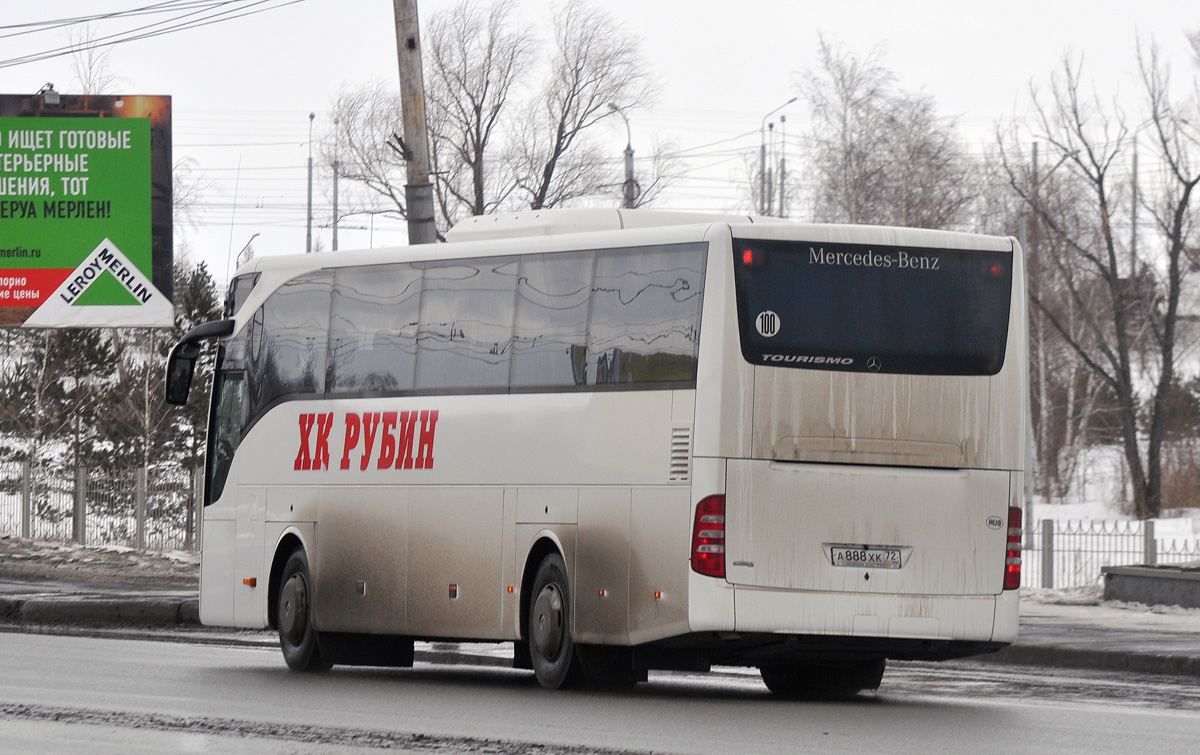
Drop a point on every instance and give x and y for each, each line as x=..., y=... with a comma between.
x=1012, y=557
x=708, y=537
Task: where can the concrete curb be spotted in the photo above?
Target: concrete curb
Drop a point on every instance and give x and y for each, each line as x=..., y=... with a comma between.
x=1057, y=656
x=1161, y=584
x=125, y=613
x=140, y=612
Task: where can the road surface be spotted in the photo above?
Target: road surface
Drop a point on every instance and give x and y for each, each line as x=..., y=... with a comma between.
x=83, y=694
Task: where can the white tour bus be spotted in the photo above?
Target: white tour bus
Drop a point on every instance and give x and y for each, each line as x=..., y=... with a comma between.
x=623, y=441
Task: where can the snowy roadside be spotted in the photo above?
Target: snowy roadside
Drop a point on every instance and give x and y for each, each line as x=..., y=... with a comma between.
x=1086, y=606
x=96, y=565
x=70, y=562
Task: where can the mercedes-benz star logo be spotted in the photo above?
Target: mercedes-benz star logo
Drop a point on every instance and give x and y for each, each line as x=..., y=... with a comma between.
x=873, y=364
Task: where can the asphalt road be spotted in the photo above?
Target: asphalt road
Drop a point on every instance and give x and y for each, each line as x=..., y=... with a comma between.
x=72, y=694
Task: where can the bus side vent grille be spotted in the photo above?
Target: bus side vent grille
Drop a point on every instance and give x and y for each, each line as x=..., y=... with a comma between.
x=681, y=454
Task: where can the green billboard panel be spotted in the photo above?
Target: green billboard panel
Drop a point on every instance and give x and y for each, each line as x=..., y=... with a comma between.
x=85, y=211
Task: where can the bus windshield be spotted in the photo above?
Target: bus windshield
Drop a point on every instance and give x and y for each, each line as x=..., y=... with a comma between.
x=862, y=308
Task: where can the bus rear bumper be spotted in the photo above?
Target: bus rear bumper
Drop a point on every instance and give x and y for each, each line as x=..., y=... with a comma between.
x=986, y=621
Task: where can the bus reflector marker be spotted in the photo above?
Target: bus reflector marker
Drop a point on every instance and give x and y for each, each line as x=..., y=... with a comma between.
x=708, y=537
x=250, y=581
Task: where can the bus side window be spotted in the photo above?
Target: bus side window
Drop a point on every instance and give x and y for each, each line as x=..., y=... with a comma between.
x=465, y=340
x=373, y=329
x=550, y=335
x=645, y=320
x=288, y=341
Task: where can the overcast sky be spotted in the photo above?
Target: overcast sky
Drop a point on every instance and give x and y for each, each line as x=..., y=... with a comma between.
x=242, y=90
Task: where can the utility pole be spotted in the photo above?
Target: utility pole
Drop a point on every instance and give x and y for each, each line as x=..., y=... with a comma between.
x=418, y=192
x=336, y=123
x=1134, y=213
x=1043, y=480
x=763, y=208
x=762, y=173
x=771, y=170
x=308, y=245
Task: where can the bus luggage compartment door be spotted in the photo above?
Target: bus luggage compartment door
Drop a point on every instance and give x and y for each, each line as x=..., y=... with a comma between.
x=865, y=529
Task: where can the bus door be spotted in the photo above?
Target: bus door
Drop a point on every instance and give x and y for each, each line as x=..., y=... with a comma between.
x=225, y=434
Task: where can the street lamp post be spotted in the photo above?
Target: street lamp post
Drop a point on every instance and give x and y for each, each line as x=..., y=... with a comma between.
x=630, y=185
x=237, y=261
x=1030, y=454
x=782, y=164
x=231, y=262
x=762, y=158
x=308, y=244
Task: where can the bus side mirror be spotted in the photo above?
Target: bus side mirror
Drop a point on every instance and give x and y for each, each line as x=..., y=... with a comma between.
x=180, y=369
x=181, y=363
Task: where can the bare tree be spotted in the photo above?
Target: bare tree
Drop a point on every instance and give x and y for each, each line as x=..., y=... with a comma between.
x=365, y=119
x=186, y=190
x=1116, y=305
x=880, y=155
x=475, y=58
x=89, y=63
x=596, y=63
x=545, y=155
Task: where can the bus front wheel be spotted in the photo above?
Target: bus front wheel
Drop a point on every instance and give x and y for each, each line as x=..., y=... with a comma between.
x=297, y=636
x=551, y=647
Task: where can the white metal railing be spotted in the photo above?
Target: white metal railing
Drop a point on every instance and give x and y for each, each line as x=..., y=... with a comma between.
x=1071, y=553
x=154, y=510
x=158, y=511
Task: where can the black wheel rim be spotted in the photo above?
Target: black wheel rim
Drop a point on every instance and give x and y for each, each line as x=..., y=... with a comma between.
x=293, y=609
x=548, y=624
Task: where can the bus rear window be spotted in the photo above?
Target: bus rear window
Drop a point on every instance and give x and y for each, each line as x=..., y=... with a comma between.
x=861, y=308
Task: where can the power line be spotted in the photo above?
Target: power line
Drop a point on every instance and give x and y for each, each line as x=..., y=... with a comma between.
x=148, y=31
x=33, y=27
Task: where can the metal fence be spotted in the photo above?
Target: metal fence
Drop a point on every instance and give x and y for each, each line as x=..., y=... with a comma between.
x=148, y=510
x=1070, y=553
x=158, y=510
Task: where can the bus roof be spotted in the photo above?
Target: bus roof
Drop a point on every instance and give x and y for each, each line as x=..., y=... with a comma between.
x=512, y=233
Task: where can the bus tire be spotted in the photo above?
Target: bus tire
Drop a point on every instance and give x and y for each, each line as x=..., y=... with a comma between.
x=297, y=636
x=808, y=682
x=552, y=650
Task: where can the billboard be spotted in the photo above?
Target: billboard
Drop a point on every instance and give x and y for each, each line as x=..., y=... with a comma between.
x=85, y=211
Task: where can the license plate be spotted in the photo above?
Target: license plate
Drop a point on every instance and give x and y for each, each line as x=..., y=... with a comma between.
x=870, y=556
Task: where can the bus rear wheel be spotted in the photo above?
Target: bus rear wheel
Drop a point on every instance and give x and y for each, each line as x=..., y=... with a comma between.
x=808, y=682
x=551, y=648
x=297, y=636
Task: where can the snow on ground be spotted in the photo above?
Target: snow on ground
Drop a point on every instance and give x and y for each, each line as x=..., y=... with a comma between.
x=1086, y=606
x=1098, y=492
x=71, y=562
